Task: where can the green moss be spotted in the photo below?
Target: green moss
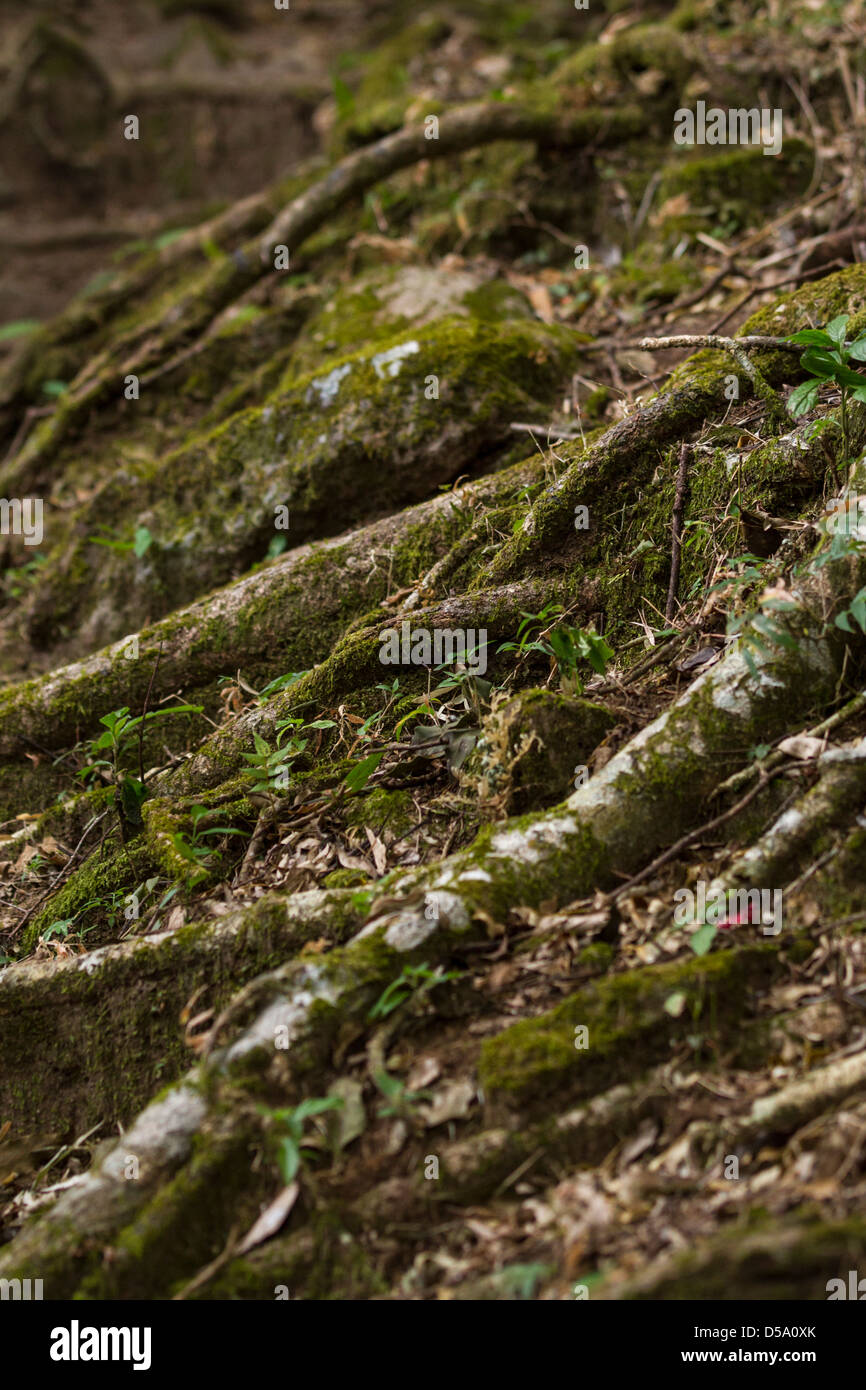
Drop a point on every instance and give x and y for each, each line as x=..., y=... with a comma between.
x=762, y=1259
x=598, y=956
x=735, y=187
x=627, y=1026
x=101, y=876
x=380, y=809
x=345, y=878
x=363, y=434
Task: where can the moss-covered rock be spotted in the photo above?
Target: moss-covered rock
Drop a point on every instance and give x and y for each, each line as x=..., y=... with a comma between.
x=532, y=746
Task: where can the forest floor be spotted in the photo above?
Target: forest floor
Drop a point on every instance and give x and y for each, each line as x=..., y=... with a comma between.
x=336, y=963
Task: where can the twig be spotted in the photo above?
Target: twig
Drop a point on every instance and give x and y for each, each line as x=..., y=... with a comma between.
x=144, y=716
x=686, y=840
x=677, y=529
x=735, y=346
x=854, y=706
x=705, y=289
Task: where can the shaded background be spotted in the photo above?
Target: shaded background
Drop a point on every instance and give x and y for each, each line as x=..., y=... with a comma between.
x=230, y=95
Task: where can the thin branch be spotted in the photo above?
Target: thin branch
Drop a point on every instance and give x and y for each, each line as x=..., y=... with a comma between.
x=144, y=716
x=677, y=529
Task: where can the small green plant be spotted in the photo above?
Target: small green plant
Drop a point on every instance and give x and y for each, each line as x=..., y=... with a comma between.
x=63, y=927
x=412, y=980
x=281, y=683
x=288, y=1129
x=565, y=646
x=754, y=630
x=269, y=767
x=856, y=612
x=459, y=688
x=358, y=776
x=401, y=1103
x=827, y=356
x=191, y=847
x=140, y=544
x=121, y=730
x=18, y=580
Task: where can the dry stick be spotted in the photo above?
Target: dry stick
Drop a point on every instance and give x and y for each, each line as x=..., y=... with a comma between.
x=677, y=529
x=686, y=840
x=144, y=716
x=854, y=706
x=735, y=346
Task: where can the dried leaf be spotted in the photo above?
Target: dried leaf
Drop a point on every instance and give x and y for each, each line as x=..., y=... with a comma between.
x=450, y=1103
x=271, y=1219
x=802, y=746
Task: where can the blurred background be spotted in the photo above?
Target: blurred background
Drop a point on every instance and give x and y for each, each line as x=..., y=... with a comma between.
x=230, y=95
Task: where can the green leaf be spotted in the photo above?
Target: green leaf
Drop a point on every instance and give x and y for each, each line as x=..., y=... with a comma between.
x=812, y=337
x=775, y=635
x=288, y=1158
x=143, y=541
x=804, y=397
x=361, y=773
x=858, y=610
x=166, y=238
x=389, y=1085
x=132, y=795
x=54, y=388
x=317, y=1105
x=701, y=940
x=857, y=350
x=835, y=329
x=110, y=544
x=18, y=328
x=825, y=364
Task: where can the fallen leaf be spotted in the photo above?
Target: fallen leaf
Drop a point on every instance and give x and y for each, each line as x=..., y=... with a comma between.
x=423, y=1073
x=271, y=1219
x=802, y=746
x=350, y=1120
x=450, y=1103
x=539, y=298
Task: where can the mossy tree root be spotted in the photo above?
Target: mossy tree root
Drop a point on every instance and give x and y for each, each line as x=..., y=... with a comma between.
x=648, y=793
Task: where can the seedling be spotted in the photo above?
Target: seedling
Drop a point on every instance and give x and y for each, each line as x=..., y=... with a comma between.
x=565, y=646
x=827, y=357
x=401, y=1103
x=413, y=979
x=289, y=1127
